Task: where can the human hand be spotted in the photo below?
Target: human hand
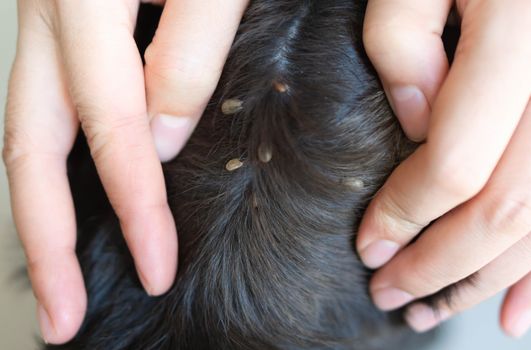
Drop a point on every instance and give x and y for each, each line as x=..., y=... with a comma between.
x=472, y=176
x=77, y=65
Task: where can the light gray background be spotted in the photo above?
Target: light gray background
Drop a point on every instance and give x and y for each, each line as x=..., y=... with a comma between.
x=476, y=329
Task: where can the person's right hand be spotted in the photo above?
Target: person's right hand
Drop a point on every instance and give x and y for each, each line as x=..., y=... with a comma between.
x=466, y=190
x=77, y=65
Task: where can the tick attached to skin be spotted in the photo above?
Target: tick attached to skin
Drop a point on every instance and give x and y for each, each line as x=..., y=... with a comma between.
x=265, y=154
x=254, y=201
x=354, y=183
x=280, y=87
x=231, y=106
x=233, y=164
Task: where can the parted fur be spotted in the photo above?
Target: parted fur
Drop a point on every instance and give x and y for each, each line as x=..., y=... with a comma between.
x=266, y=257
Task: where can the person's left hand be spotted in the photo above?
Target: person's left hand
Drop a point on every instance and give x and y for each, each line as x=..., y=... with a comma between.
x=471, y=178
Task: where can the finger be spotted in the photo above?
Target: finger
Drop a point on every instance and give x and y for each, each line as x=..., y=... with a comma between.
x=154, y=2
x=516, y=310
x=40, y=129
x=403, y=40
x=473, y=234
x=474, y=117
x=489, y=281
x=106, y=78
x=184, y=63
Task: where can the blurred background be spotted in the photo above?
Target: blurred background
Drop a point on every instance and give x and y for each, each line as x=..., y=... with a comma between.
x=18, y=327
x=476, y=329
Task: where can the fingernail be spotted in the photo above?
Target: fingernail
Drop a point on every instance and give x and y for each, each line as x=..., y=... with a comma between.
x=170, y=134
x=521, y=325
x=421, y=318
x=379, y=253
x=152, y=238
x=45, y=323
x=412, y=109
x=387, y=299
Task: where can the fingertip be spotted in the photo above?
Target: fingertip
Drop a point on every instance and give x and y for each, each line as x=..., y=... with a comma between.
x=59, y=288
x=367, y=229
x=170, y=134
x=59, y=326
x=412, y=110
x=153, y=243
x=405, y=46
x=378, y=253
x=514, y=321
x=517, y=325
x=61, y=305
x=183, y=66
x=374, y=249
x=515, y=314
x=422, y=318
x=390, y=298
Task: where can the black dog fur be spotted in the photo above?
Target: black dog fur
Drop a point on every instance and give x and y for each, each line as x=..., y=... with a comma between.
x=267, y=258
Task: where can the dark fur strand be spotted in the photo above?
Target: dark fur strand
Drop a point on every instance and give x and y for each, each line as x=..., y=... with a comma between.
x=266, y=249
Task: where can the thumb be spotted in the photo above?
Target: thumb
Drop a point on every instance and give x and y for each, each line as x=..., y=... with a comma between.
x=183, y=65
x=403, y=41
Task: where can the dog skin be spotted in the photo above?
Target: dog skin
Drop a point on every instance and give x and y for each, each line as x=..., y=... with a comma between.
x=267, y=196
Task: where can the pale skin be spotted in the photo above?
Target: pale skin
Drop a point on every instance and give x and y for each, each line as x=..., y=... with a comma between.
x=473, y=172
x=77, y=66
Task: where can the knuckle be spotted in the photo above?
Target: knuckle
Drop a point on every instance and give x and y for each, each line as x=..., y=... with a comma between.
x=39, y=261
x=11, y=149
x=454, y=175
x=399, y=225
x=509, y=213
x=176, y=67
x=33, y=266
x=386, y=38
x=376, y=39
x=16, y=148
x=36, y=259
x=119, y=133
x=526, y=245
x=11, y=156
x=129, y=211
x=427, y=278
x=25, y=142
x=462, y=185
